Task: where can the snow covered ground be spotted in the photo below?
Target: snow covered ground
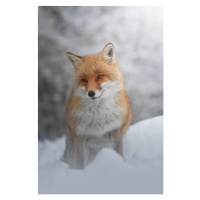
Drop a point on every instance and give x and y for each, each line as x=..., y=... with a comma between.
x=141, y=173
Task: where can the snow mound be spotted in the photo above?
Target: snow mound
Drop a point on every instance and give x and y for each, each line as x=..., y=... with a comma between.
x=140, y=173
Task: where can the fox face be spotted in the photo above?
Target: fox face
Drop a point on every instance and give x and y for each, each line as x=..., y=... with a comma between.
x=98, y=86
x=94, y=86
x=96, y=76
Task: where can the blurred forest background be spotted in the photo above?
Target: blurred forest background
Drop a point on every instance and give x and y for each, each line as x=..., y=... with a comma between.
x=137, y=35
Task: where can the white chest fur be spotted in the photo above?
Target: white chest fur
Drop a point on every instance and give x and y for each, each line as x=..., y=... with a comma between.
x=100, y=116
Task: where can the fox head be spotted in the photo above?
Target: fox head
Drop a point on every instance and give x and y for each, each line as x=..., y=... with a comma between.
x=96, y=76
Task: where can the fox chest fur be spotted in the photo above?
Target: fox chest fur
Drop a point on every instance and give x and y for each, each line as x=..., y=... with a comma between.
x=98, y=117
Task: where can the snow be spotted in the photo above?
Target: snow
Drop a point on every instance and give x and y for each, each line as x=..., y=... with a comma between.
x=140, y=173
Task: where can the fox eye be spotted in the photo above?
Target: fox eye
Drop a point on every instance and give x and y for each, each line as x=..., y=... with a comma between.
x=100, y=76
x=84, y=80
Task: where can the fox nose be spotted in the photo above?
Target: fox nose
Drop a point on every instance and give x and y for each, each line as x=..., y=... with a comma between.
x=91, y=93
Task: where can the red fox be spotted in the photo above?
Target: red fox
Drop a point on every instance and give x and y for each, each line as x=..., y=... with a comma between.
x=98, y=112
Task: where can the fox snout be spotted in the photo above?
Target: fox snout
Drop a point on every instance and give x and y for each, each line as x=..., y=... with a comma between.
x=95, y=94
x=91, y=93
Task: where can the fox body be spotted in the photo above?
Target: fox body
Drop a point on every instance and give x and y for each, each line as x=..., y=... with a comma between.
x=98, y=112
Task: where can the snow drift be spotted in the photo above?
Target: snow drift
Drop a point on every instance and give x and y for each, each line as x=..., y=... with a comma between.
x=141, y=173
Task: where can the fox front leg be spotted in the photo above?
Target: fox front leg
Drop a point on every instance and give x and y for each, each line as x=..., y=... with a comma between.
x=80, y=152
x=68, y=156
x=116, y=141
x=75, y=152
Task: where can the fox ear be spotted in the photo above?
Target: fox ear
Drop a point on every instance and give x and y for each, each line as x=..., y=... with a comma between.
x=108, y=53
x=75, y=60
